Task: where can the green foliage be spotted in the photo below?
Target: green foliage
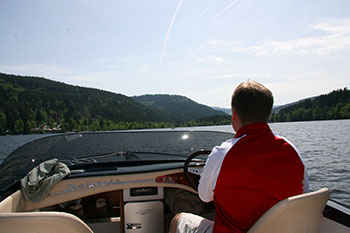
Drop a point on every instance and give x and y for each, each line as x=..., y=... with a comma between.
x=332, y=106
x=37, y=105
x=30, y=104
x=214, y=120
x=3, y=122
x=177, y=108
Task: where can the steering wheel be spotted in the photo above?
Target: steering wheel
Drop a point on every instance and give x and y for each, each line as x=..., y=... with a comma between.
x=194, y=181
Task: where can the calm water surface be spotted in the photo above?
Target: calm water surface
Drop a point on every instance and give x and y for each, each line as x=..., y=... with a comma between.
x=324, y=146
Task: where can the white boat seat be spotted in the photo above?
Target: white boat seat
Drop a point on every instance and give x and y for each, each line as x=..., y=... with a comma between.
x=298, y=214
x=48, y=222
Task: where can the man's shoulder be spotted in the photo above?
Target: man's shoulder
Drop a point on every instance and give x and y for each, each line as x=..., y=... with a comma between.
x=286, y=143
x=224, y=147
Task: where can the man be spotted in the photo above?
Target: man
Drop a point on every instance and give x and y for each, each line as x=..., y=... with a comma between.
x=248, y=174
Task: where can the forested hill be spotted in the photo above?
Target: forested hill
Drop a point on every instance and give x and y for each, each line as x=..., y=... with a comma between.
x=177, y=108
x=32, y=104
x=331, y=106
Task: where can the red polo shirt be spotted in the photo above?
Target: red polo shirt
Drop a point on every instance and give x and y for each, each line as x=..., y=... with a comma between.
x=257, y=171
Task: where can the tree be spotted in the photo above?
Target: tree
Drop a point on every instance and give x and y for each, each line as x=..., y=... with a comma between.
x=3, y=122
x=345, y=112
x=19, y=126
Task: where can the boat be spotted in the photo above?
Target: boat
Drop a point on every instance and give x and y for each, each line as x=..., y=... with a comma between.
x=124, y=181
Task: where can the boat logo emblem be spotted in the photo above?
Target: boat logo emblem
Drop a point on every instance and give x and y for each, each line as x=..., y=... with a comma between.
x=133, y=226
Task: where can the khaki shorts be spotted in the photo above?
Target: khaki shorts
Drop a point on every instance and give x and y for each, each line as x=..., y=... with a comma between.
x=190, y=223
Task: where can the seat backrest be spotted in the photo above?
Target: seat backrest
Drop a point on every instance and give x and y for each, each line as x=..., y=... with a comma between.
x=298, y=214
x=48, y=222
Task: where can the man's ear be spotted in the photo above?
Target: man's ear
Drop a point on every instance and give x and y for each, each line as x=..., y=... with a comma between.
x=235, y=120
x=234, y=114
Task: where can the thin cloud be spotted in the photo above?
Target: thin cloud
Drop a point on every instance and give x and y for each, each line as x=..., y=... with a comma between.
x=241, y=76
x=333, y=26
x=169, y=30
x=120, y=62
x=54, y=72
x=336, y=38
x=40, y=70
x=210, y=59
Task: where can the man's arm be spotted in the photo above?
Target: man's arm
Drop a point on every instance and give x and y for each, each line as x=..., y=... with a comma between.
x=211, y=170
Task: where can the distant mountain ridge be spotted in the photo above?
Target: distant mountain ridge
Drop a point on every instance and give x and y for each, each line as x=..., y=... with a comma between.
x=225, y=110
x=277, y=108
x=177, y=108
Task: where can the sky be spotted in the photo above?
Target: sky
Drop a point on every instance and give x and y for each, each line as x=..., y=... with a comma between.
x=201, y=49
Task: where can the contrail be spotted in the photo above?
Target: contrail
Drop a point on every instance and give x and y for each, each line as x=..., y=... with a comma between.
x=235, y=3
x=226, y=8
x=169, y=30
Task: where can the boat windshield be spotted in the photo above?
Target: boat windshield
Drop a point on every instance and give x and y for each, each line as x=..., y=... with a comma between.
x=119, y=146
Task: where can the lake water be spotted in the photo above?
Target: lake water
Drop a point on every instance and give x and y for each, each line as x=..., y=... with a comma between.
x=324, y=146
